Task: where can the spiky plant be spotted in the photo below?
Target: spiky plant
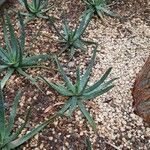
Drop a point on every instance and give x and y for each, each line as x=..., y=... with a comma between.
x=71, y=39
x=10, y=138
x=11, y=56
x=79, y=92
x=36, y=8
x=98, y=7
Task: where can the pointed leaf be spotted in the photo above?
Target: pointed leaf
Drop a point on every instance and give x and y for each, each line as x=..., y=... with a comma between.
x=77, y=79
x=58, y=87
x=29, y=135
x=34, y=59
x=87, y=115
x=22, y=32
x=65, y=107
x=13, y=114
x=13, y=39
x=64, y=76
x=4, y=55
x=98, y=83
x=16, y=134
x=2, y=116
x=6, y=77
x=86, y=75
x=88, y=96
x=73, y=105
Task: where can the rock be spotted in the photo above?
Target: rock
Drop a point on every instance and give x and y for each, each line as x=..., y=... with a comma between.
x=141, y=92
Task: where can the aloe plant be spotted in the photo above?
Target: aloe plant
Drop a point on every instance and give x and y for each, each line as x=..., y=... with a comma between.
x=79, y=92
x=98, y=7
x=10, y=139
x=71, y=39
x=36, y=8
x=11, y=56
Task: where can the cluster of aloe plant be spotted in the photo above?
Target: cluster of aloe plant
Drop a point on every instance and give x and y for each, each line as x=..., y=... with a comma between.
x=11, y=56
x=79, y=92
x=71, y=39
x=13, y=59
x=98, y=7
x=8, y=138
x=35, y=9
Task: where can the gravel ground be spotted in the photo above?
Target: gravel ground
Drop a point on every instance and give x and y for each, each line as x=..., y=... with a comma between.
x=125, y=47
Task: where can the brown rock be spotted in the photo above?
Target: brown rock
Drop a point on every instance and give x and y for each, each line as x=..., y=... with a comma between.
x=141, y=92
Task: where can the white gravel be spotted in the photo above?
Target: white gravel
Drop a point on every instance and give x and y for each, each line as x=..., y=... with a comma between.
x=125, y=47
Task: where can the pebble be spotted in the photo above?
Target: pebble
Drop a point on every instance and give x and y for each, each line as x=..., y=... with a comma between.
x=147, y=33
x=71, y=64
x=50, y=138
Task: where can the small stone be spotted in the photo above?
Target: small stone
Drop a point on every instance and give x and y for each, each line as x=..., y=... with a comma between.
x=36, y=137
x=148, y=131
x=122, y=129
x=41, y=146
x=147, y=32
x=129, y=135
x=50, y=138
x=48, y=93
x=71, y=64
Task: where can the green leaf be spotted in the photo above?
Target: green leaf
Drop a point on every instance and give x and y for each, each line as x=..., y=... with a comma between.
x=65, y=107
x=72, y=52
x=65, y=26
x=77, y=79
x=86, y=75
x=100, y=15
x=87, y=115
x=2, y=67
x=29, y=135
x=73, y=105
x=7, y=42
x=4, y=56
x=64, y=76
x=34, y=59
x=108, y=12
x=87, y=96
x=83, y=25
x=58, y=87
x=21, y=2
x=16, y=134
x=57, y=31
x=103, y=86
x=103, y=78
x=6, y=77
x=22, y=32
x=88, y=143
x=37, y=4
x=27, y=6
x=13, y=114
x=2, y=116
x=13, y=39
